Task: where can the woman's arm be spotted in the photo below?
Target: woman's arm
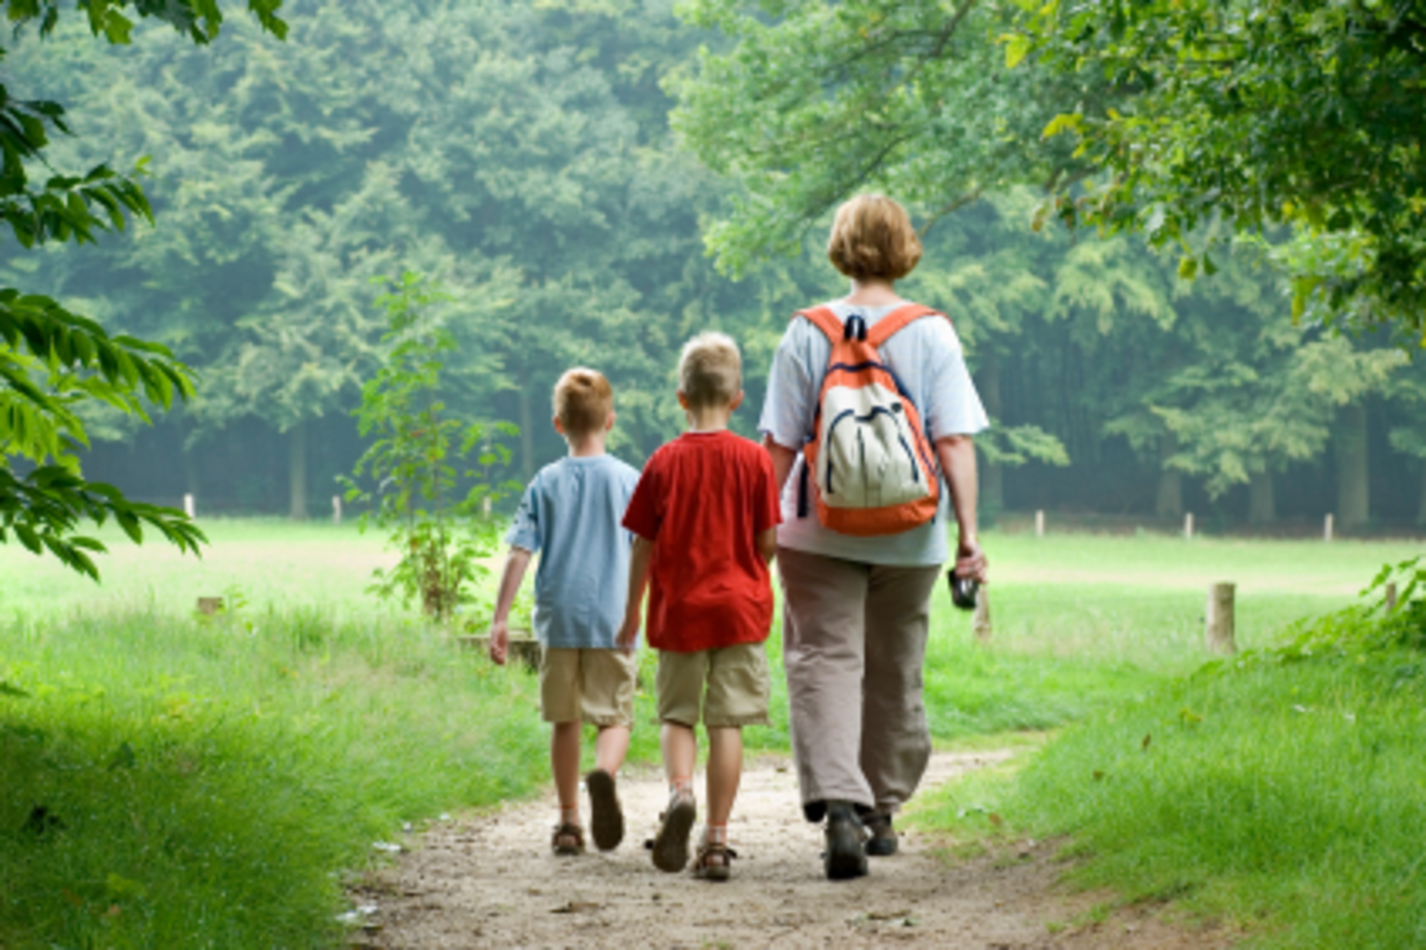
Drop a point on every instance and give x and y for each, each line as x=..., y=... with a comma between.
x=957, y=455
x=782, y=459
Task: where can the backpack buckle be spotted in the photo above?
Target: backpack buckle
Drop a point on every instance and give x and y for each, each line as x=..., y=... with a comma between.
x=855, y=328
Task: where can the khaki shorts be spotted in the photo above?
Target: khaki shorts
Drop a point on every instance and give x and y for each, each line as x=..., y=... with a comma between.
x=593, y=686
x=737, y=686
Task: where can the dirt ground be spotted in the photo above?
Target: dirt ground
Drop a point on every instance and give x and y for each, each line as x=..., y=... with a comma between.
x=491, y=881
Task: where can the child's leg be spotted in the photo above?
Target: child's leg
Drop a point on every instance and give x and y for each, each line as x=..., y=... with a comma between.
x=564, y=762
x=679, y=746
x=610, y=748
x=725, y=771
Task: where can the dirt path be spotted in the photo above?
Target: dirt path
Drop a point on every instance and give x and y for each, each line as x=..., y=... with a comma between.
x=492, y=882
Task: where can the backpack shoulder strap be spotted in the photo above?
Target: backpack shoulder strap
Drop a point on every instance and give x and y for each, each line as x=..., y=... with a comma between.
x=825, y=320
x=896, y=320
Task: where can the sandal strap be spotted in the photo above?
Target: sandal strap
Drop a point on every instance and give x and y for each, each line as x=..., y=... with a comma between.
x=568, y=830
x=708, y=850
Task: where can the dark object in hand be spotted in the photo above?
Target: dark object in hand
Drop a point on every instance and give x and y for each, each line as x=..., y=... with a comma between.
x=962, y=590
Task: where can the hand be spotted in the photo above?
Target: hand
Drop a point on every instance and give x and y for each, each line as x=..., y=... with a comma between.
x=499, y=641
x=970, y=560
x=628, y=634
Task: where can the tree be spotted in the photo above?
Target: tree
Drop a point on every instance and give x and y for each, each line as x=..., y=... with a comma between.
x=817, y=100
x=1297, y=111
x=52, y=360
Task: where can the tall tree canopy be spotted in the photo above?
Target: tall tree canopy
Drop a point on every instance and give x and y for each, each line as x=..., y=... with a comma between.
x=1289, y=111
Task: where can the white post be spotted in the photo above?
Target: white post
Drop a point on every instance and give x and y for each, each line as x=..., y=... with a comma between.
x=1218, y=620
x=336, y=509
x=485, y=506
x=188, y=507
x=1327, y=528
x=1390, y=596
x=1188, y=526
x=1039, y=524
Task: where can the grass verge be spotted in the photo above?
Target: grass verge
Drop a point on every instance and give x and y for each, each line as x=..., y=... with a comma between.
x=174, y=783
x=1282, y=790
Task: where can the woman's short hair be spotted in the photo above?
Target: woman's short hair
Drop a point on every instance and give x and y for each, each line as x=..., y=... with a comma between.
x=872, y=239
x=710, y=370
x=583, y=401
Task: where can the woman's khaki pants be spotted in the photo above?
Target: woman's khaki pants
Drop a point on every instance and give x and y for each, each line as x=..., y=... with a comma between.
x=854, y=639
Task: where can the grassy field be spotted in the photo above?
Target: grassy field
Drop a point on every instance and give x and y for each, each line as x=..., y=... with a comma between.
x=1280, y=792
x=171, y=780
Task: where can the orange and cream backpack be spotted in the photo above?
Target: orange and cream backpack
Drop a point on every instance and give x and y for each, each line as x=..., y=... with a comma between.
x=868, y=454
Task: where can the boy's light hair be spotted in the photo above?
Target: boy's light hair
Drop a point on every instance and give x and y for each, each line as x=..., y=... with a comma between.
x=710, y=370
x=872, y=239
x=583, y=401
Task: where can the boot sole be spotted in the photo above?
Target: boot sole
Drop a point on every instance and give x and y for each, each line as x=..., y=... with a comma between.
x=606, y=820
x=671, y=844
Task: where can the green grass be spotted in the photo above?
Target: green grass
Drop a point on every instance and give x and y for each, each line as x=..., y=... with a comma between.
x=1285, y=792
x=214, y=778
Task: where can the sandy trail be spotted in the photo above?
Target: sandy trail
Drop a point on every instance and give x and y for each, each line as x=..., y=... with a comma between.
x=492, y=882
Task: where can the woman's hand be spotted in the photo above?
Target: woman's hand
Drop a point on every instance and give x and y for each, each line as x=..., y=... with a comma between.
x=970, y=560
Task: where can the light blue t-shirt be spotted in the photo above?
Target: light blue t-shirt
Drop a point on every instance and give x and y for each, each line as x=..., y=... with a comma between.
x=926, y=357
x=570, y=516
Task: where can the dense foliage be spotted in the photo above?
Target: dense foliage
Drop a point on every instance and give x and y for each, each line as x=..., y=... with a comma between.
x=1290, y=111
x=54, y=362
x=523, y=157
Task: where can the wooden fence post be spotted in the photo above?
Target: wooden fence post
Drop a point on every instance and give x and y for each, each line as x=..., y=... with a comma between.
x=980, y=623
x=336, y=509
x=1327, y=528
x=189, y=508
x=1188, y=526
x=1039, y=524
x=1390, y=596
x=1218, y=619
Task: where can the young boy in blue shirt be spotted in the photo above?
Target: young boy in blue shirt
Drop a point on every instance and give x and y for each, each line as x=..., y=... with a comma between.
x=570, y=515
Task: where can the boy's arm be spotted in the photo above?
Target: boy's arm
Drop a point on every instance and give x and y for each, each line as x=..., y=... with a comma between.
x=640, y=558
x=511, y=578
x=767, y=544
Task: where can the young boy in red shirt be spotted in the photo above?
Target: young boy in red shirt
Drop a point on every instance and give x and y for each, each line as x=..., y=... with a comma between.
x=704, y=516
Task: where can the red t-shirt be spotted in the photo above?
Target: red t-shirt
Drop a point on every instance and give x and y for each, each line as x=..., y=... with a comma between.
x=703, y=499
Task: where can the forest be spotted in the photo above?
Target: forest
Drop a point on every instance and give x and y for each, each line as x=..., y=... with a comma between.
x=534, y=163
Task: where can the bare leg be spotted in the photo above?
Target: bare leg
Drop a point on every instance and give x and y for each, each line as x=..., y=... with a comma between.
x=680, y=750
x=564, y=762
x=725, y=771
x=610, y=748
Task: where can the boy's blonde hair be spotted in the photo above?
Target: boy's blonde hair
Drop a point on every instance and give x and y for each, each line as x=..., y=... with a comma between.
x=583, y=401
x=710, y=370
x=872, y=239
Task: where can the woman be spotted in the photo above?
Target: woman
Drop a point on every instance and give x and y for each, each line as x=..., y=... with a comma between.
x=857, y=607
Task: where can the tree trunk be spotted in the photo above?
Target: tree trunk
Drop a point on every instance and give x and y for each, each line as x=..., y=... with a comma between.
x=1353, y=498
x=1170, y=500
x=1421, y=515
x=527, y=434
x=1262, y=501
x=992, y=477
x=297, y=471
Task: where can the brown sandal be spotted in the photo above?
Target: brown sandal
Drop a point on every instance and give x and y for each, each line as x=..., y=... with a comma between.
x=568, y=840
x=714, y=861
